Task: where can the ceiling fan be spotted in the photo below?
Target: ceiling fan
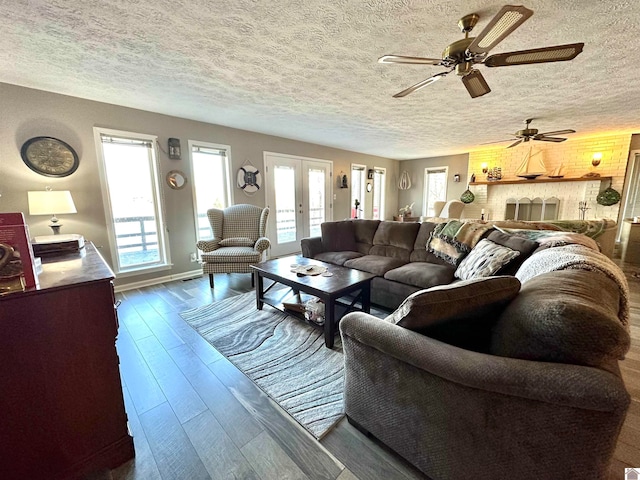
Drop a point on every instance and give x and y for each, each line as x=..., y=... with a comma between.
x=463, y=54
x=528, y=134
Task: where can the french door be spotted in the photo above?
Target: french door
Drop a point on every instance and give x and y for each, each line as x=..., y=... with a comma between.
x=298, y=193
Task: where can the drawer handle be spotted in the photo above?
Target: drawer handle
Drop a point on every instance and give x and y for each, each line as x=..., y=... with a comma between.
x=117, y=304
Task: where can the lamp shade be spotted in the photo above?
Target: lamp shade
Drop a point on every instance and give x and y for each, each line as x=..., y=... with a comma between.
x=51, y=202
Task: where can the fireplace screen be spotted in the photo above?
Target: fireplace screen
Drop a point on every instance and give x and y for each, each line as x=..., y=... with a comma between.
x=537, y=209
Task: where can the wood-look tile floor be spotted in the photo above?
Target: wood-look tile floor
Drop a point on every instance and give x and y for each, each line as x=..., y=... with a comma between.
x=195, y=416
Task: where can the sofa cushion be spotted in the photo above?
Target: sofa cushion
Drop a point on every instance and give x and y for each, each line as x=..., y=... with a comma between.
x=420, y=252
x=565, y=316
x=550, y=238
x=364, y=232
x=461, y=313
x=337, y=258
x=376, y=264
x=422, y=274
x=395, y=239
x=338, y=236
x=485, y=260
x=520, y=244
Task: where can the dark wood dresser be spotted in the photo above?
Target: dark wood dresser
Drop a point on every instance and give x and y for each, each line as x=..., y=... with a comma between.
x=61, y=399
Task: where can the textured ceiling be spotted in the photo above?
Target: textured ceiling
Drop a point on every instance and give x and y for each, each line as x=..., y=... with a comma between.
x=306, y=69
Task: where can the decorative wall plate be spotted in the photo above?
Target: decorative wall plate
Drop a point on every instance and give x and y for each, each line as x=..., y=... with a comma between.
x=49, y=156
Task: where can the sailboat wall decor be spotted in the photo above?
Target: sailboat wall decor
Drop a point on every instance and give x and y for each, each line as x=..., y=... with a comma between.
x=532, y=165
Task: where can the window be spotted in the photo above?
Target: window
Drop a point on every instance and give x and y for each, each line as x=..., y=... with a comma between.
x=379, y=185
x=210, y=166
x=131, y=193
x=358, y=180
x=435, y=188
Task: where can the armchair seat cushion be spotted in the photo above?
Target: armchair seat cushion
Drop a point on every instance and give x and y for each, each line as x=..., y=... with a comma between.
x=422, y=274
x=376, y=264
x=232, y=254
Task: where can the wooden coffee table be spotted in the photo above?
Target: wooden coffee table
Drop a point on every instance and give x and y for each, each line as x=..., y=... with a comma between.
x=344, y=281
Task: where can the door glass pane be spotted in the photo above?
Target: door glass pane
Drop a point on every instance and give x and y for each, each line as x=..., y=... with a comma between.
x=130, y=186
x=209, y=180
x=285, y=181
x=357, y=190
x=316, y=200
x=378, y=194
x=436, y=189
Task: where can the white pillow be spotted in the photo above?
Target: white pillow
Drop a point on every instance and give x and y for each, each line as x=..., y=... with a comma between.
x=484, y=260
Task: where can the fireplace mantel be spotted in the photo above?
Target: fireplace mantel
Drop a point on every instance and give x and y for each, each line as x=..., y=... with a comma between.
x=541, y=180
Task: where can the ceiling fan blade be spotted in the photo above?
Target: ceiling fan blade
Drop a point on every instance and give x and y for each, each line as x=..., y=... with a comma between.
x=420, y=85
x=551, y=139
x=411, y=60
x=500, y=26
x=476, y=84
x=498, y=141
x=558, y=53
x=557, y=132
x=517, y=142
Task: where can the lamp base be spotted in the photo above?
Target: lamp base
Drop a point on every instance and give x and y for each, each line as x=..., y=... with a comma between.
x=55, y=227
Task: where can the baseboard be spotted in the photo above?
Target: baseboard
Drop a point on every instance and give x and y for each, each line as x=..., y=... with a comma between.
x=157, y=280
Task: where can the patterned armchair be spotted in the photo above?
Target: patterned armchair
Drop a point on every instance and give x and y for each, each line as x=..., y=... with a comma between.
x=238, y=240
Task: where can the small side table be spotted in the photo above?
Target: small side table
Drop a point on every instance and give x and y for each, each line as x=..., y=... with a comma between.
x=402, y=218
x=630, y=241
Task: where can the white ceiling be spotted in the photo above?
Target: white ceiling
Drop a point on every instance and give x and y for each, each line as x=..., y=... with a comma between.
x=307, y=70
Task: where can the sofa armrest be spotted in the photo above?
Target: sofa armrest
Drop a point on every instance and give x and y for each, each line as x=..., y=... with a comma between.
x=560, y=384
x=262, y=244
x=208, y=245
x=311, y=246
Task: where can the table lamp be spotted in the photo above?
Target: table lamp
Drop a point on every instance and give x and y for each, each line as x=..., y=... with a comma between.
x=53, y=203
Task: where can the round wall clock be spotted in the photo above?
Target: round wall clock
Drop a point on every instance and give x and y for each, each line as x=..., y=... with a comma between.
x=49, y=156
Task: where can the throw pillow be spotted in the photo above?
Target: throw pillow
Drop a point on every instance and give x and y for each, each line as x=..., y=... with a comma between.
x=338, y=236
x=485, y=260
x=461, y=313
x=453, y=240
x=237, y=242
x=523, y=245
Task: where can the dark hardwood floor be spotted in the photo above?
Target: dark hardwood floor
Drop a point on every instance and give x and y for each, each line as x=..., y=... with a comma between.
x=194, y=415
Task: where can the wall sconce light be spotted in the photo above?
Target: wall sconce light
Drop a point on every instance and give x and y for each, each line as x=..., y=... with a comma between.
x=174, y=149
x=485, y=168
x=596, y=159
x=456, y=177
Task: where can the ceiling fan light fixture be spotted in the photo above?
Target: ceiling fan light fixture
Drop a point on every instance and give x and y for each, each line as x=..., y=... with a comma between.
x=475, y=84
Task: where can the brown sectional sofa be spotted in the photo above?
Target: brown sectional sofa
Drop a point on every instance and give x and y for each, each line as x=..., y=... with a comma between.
x=536, y=394
x=396, y=252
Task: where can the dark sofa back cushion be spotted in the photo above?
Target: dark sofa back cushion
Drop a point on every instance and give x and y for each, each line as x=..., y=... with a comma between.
x=566, y=316
x=364, y=232
x=395, y=240
x=338, y=236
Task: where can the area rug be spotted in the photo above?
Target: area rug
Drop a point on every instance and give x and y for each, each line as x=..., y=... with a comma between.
x=284, y=356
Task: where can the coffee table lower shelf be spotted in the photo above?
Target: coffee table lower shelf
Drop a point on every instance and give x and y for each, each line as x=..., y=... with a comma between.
x=345, y=282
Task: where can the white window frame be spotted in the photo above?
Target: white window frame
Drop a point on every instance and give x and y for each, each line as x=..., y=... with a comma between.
x=379, y=192
x=228, y=184
x=362, y=172
x=159, y=211
x=425, y=190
